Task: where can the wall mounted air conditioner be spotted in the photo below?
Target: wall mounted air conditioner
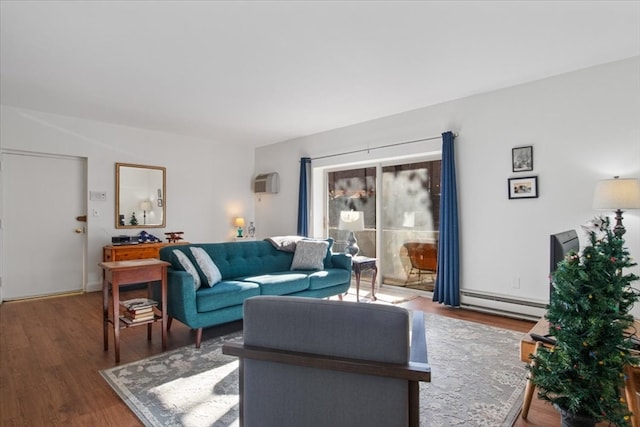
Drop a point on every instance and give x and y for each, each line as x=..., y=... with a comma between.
x=266, y=183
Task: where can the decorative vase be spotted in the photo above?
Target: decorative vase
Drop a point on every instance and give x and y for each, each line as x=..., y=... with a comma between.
x=251, y=229
x=570, y=419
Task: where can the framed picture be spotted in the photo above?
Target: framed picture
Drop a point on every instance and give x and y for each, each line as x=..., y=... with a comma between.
x=523, y=188
x=159, y=203
x=522, y=158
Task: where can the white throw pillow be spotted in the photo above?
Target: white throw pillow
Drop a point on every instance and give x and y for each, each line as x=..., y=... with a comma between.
x=188, y=266
x=309, y=255
x=206, y=264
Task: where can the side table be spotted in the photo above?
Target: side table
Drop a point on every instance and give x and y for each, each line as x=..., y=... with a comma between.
x=363, y=263
x=119, y=273
x=528, y=346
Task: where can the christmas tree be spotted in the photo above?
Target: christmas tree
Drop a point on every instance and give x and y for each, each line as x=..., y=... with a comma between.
x=589, y=319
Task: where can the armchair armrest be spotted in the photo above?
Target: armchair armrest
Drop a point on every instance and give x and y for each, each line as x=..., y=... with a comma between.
x=409, y=372
x=418, y=350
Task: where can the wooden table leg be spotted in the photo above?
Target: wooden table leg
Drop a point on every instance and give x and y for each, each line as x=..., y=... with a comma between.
x=149, y=325
x=163, y=293
x=373, y=282
x=529, y=389
x=105, y=313
x=115, y=294
x=630, y=391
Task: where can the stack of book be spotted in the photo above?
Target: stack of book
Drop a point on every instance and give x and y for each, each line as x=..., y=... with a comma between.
x=137, y=310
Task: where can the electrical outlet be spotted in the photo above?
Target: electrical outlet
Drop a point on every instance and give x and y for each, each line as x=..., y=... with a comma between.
x=516, y=283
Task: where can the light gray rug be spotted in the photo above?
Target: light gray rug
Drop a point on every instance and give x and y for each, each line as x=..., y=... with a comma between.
x=477, y=380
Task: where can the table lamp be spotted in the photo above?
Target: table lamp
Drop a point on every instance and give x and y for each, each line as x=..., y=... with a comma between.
x=239, y=222
x=617, y=194
x=351, y=221
x=145, y=206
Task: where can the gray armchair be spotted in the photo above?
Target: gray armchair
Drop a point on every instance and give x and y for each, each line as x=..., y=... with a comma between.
x=310, y=362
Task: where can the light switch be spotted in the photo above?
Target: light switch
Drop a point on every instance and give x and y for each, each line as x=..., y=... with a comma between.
x=99, y=196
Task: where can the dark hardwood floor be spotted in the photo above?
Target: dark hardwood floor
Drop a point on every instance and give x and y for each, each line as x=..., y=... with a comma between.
x=51, y=352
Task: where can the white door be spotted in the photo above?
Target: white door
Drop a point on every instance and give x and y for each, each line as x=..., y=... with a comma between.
x=43, y=242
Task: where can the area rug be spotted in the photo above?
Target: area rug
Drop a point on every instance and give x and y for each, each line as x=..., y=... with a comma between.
x=477, y=379
x=384, y=295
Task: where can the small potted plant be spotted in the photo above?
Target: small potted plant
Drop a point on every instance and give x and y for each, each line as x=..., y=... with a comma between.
x=582, y=375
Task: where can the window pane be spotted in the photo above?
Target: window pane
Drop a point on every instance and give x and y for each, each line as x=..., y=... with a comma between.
x=355, y=190
x=410, y=219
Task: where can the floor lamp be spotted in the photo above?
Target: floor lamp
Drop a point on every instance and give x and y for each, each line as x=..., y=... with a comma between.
x=617, y=194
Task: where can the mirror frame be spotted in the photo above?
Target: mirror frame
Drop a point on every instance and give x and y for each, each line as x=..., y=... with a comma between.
x=164, y=196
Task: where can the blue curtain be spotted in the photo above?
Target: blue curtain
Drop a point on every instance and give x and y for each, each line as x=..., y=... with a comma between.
x=303, y=197
x=447, y=287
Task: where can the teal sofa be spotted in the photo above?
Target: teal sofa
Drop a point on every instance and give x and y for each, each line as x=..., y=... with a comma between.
x=248, y=269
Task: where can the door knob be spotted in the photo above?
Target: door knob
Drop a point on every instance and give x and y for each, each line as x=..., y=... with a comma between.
x=79, y=230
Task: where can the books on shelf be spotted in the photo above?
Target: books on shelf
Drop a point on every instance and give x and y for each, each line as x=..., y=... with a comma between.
x=146, y=312
x=138, y=303
x=138, y=310
x=131, y=321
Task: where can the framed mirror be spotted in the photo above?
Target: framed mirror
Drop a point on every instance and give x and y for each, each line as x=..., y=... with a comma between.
x=140, y=196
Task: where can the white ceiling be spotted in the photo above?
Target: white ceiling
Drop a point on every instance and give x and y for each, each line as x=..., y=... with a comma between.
x=260, y=72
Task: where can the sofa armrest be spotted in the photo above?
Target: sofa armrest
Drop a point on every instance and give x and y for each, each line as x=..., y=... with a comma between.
x=341, y=261
x=181, y=296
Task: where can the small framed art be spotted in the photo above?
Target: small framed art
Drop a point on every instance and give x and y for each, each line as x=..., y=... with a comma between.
x=522, y=158
x=523, y=188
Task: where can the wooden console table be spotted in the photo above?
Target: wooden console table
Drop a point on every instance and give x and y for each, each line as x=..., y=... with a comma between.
x=121, y=273
x=528, y=346
x=360, y=264
x=138, y=251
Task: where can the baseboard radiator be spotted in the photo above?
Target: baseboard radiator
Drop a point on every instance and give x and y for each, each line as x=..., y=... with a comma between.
x=502, y=305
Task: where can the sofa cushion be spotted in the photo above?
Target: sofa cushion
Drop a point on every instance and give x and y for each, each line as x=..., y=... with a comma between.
x=310, y=255
x=328, y=278
x=187, y=265
x=327, y=259
x=224, y=294
x=280, y=283
x=207, y=266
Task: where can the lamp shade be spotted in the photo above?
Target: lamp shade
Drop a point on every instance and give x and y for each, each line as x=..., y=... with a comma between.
x=617, y=194
x=239, y=222
x=145, y=205
x=351, y=220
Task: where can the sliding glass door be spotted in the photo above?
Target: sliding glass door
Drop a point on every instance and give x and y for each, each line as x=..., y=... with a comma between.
x=409, y=227
x=400, y=204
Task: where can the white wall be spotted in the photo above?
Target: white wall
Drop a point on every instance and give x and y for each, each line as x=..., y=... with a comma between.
x=208, y=183
x=584, y=126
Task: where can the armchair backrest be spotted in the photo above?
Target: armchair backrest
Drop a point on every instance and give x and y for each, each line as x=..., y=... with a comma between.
x=325, y=389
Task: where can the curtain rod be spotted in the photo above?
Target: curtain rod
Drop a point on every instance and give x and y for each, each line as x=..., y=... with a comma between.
x=431, y=138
